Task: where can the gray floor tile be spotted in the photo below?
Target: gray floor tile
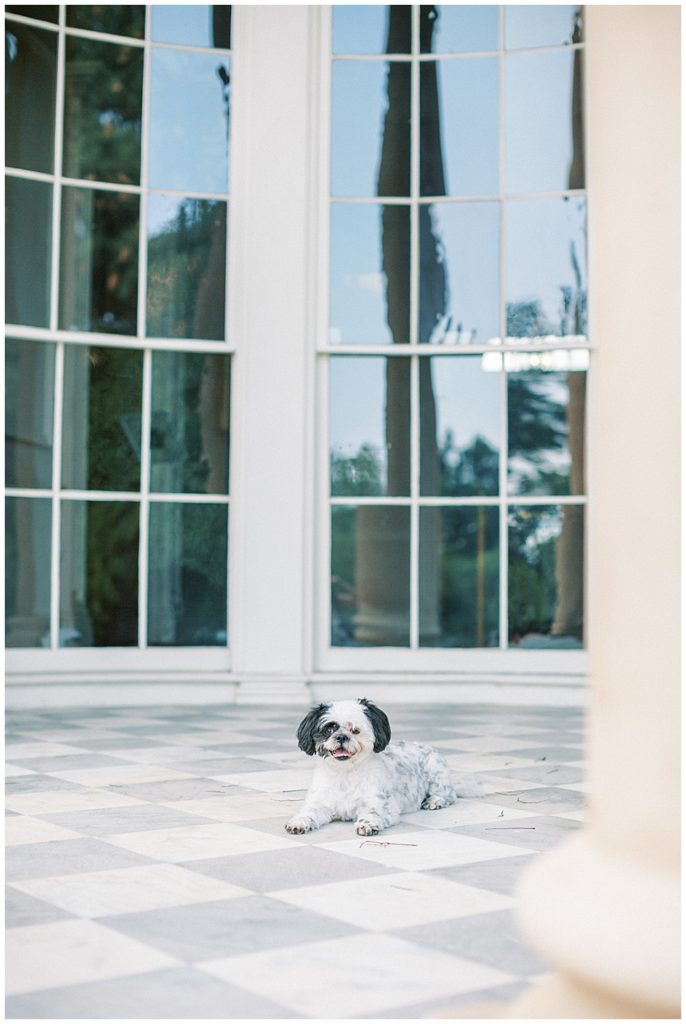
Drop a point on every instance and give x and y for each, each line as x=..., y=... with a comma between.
x=113, y=820
x=207, y=931
x=538, y=833
x=22, y=909
x=66, y=857
x=546, y=800
x=176, y=789
x=502, y=994
x=273, y=870
x=544, y=773
x=116, y=742
x=180, y=994
x=499, y=875
x=38, y=784
x=68, y=762
x=491, y=939
x=224, y=766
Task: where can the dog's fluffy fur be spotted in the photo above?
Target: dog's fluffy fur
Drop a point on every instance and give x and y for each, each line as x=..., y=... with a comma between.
x=360, y=776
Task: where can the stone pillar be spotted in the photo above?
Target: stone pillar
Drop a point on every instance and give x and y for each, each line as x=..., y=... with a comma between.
x=603, y=909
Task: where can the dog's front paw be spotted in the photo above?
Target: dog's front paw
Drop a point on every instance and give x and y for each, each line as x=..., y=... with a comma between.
x=435, y=803
x=299, y=825
x=366, y=828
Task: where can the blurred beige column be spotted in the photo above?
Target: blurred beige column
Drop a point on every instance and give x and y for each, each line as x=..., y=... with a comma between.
x=603, y=909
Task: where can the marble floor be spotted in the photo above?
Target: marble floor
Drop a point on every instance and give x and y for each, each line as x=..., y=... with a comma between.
x=149, y=874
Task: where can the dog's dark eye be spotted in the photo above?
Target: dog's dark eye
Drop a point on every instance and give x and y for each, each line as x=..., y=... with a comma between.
x=330, y=727
x=354, y=731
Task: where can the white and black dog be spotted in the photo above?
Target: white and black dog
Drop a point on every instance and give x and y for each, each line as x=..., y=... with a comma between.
x=360, y=776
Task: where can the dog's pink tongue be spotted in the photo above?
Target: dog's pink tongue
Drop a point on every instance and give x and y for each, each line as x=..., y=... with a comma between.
x=341, y=753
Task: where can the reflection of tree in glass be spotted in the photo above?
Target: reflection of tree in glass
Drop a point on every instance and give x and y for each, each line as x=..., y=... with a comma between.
x=103, y=97
x=112, y=581
x=114, y=19
x=537, y=427
x=114, y=410
x=181, y=259
x=360, y=474
x=468, y=471
x=532, y=585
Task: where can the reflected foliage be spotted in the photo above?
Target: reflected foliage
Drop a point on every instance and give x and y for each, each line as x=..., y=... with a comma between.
x=361, y=475
x=103, y=97
x=470, y=471
x=30, y=84
x=187, y=271
x=114, y=19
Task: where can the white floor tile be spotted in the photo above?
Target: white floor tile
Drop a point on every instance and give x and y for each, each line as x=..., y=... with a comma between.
x=114, y=775
x=199, y=842
x=63, y=953
x=425, y=849
x=165, y=755
x=18, y=751
x=12, y=771
x=334, y=979
x=502, y=784
x=129, y=890
x=21, y=829
x=387, y=902
x=487, y=762
x=463, y=812
x=280, y=781
x=67, y=800
x=241, y=807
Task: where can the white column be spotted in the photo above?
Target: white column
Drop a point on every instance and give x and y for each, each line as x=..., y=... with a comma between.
x=604, y=907
x=271, y=230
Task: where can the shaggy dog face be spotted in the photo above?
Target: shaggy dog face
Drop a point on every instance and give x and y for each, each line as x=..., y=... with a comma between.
x=344, y=731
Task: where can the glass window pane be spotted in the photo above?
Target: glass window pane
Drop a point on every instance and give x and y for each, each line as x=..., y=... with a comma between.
x=545, y=268
x=99, y=269
x=370, y=576
x=30, y=83
x=189, y=434
x=460, y=426
x=189, y=122
x=546, y=576
x=370, y=148
x=528, y=25
x=28, y=251
x=102, y=111
x=373, y=28
x=29, y=402
x=187, y=586
x=543, y=122
x=99, y=574
x=28, y=548
x=114, y=19
x=192, y=24
x=101, y=446
x=459, y=127
x=42, y=12
x=369, y=426
x=463, y=28
x=370, y=274
x=458, y=577
x=546, y=429
x=459, y=266
x=186, y=268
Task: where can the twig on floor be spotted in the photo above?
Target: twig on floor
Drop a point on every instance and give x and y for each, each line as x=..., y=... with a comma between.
x=511, y=828
x=384, y=842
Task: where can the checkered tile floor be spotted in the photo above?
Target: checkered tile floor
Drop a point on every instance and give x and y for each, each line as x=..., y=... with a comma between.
x=149, y=874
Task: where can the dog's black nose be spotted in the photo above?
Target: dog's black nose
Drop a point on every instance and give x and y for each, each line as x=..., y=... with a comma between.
x=340, y=738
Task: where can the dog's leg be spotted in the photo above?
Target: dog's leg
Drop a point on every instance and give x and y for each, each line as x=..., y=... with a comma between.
x=440, y=790
x=374, y=818
x=311, y=817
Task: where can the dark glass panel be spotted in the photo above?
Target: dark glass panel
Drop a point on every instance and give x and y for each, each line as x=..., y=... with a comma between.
x=529, y=25
x=99, y=269
x=28, y=547
x=459, y=28
x=545, y=268
x=30, y=83
x=546, y=412
x=189, y=122
x=189, y=435
x=458, y=577
x=369, y=410
x=113, y=19
x=42, y=12
x=186, y=268
x=459, y=127
x=370, y=146
x=102, y=419
x=373, y=28
x=28, y=251
x=29, y=403
x=370, y=274
x=460, y=426
x=102, y=111
x=544, y=137
x=546, y=576
x=99, y=574
x=459, y=267
x=192, y=24
x=187, y=588
x=370, y=576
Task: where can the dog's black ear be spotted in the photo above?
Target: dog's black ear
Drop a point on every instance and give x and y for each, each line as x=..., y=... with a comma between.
x=308, y=727
x=380, y=725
